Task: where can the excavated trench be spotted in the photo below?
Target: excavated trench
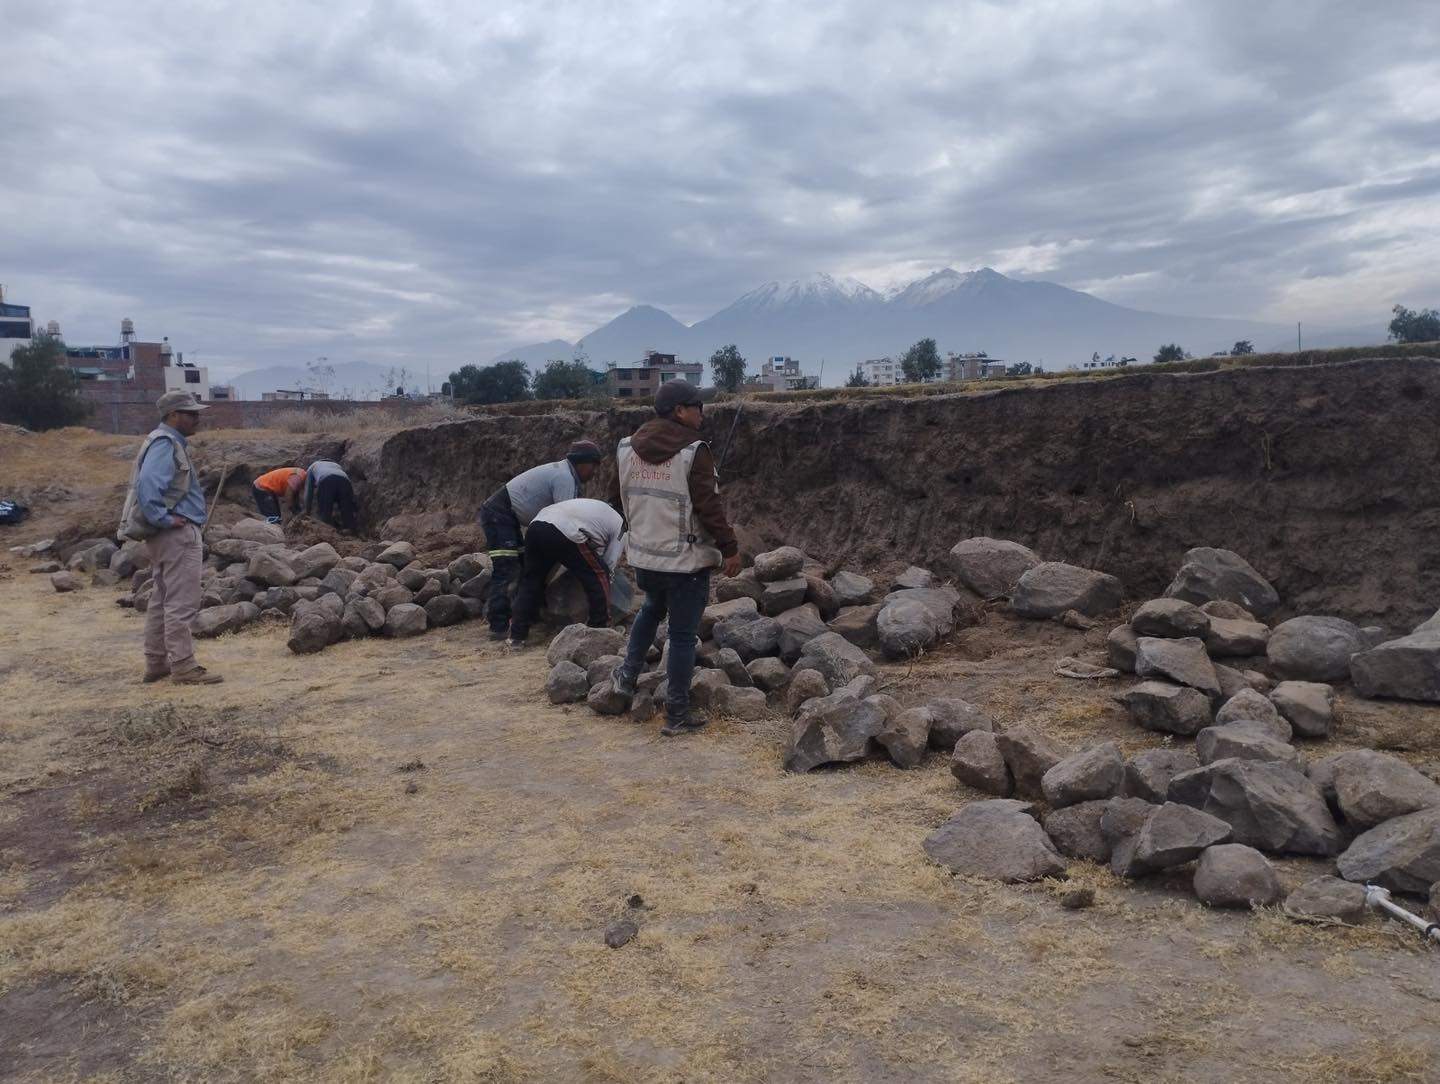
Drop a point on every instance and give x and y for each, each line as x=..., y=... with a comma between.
x=1323, y=477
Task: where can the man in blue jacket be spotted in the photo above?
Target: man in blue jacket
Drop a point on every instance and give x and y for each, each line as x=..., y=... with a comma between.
x=165, y=507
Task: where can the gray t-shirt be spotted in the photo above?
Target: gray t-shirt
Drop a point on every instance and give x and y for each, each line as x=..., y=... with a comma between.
x=539, y=487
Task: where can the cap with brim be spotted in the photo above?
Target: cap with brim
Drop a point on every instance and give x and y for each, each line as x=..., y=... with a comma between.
x=178, y=400
x=676, y=393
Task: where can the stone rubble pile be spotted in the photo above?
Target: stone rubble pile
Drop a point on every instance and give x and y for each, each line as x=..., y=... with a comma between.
x=1243, y=792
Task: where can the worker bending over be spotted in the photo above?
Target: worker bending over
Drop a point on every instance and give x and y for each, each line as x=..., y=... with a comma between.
x=586, y=537
x=328, y=486
x=513, y=506
x=277, y=488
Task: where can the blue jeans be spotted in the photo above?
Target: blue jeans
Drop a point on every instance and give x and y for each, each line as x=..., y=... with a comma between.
x=683, y=596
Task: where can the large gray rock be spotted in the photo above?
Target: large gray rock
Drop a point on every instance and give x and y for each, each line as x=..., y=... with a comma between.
x=905, y=737
x=339, y=580
x=1170, y=709
x=1234, y=875
x=1314, y=648
x=1149, y=772
x=1075, y=831
x=1120, y=647
x=912, y=620
x=235, y=549
x=798, y=627
x=375, y=578
x=362, y=616
x=1028, y=754
x=779, y=564
x=746, y=704
x=1051, y=588
x=1402, y=854
x=838, y=661
x=1210, y=575
x=821, y=595
x=768, y=674
x=270, y=569
x=703, y=684
x=734, y=668
x=996, y=839
x=1403, y=669
x=1248, y=706
x=745, y=585
x=853, y=589
x=914, y=577
x=467, y=566
x=781, y=595
x=1228, y=639
x=1271, y=806
x=604, y=700
x=991, y=567
x=1327, y=898
x=315, y=560
x=742, y=607
x=951, y=719
x=857, y=624
x=66, y=581
x=1308, y=706
x=477, y=586
x=256, y=530
x=582, y=645
x=406, y=619
x=1245, y=741
x=312, y=629
x=804, y=686
x=397, y=555
x=394, y=595
x=832, y=729
x=444, y=610
x=601, y=669
x=1181, y=661
x=977, y=762
x=218, y=620
x=1088, y=775
x=1172, y=835
x=1371, y=787
x=1124, y=817
x=1228, y=611
x=282, y=599
x=566, y=684
x=749, y=638
x=1170, y=618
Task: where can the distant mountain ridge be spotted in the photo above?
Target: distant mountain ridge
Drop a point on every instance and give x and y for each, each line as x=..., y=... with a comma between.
x=840, y=321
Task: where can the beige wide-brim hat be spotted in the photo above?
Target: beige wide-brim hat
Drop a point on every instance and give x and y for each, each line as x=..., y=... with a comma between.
x=178, y=400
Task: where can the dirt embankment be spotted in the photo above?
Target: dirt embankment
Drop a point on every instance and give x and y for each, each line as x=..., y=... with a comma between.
x=1322, y=477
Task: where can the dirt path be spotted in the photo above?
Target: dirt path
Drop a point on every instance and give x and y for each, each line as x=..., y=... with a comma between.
x=265, y=883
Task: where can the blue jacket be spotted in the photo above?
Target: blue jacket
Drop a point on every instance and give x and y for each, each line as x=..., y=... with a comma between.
x=157, y=471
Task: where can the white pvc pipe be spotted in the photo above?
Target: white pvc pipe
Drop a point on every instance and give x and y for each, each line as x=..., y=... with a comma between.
x=1379, y=898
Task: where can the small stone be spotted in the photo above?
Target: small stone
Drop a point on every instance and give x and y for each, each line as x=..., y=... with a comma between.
x=1226, y=639
x=837, y=660
x=1090, y=774
x=1148, y=773
x=604, y=700
x=997, y=839
x=582, y=645
x=743, y=606
x=748, y=639
x=779, y=564
x=804, y=685
x=781, y=595
x=1227, y=611
x=1028, y=754
x=747, y=705
x=397, y=555
x=769, y=674
x=852, y=589
x=991, y=567
x=905, y=736
x=1234, y=875
x=444, y=610
x=312, y=630
x=978, y=762
x=1120, y=648
x=1077, y=899
x=798, y=626
x=406, y=619
x=64, y=582
x=952, y=718
x=832, y=729
x=821, y=595
x=1245, y=741
x=1313, y=648
x=1308, y=706
x=1172, y=709
x=316, y=560
x=1248, y=706
x=858, y=625
x=1372, y=787
x=1402, y=854
x=1171, y=836
x=1327, y=898
x=567, y=683
x=1051, y=588
x=1210, y=575
x=912, y=620
x=1182, y=661
x=271, y=570
x=914, y=577
x=744, y=585
x=1076, y=830
x=620, y=932
x=734, y=669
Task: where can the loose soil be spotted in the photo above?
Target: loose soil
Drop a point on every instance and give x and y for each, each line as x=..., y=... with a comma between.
x=396, y=861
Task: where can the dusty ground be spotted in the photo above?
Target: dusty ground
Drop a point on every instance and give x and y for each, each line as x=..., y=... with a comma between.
x=395, y=861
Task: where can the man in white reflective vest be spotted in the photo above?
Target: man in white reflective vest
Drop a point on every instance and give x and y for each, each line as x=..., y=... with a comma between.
x=678, y=535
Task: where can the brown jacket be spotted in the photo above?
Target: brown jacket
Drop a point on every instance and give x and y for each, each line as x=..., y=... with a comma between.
x=660, y=439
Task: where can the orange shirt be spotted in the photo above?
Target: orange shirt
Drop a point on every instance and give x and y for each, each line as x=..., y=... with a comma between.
x=276, y=480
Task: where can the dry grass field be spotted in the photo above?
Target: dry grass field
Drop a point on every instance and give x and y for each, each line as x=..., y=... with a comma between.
x=396, y=861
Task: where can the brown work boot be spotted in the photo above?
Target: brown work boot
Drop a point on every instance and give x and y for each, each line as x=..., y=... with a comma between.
x=196, y=675
x=156, y=673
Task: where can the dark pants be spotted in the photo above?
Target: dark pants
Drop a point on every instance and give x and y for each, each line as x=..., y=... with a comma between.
x=502, y=540
x=267, y=503
x=546, y=547
x=683, y=596
x=335, y=502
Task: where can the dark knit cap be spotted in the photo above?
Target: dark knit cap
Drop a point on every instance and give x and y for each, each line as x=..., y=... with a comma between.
x=584, y=451
x=676, y=393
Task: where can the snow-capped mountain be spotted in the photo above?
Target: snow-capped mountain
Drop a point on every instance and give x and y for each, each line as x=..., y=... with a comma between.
x=839, y=321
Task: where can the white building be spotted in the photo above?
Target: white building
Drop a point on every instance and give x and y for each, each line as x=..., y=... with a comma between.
x=882, y=371
x=182, y=377
x=782, y=374
x=16, y=327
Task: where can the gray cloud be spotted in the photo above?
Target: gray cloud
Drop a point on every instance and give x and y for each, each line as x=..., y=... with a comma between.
x=433, y=182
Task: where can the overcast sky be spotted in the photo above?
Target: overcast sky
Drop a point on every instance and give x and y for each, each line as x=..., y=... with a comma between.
x=401, y=181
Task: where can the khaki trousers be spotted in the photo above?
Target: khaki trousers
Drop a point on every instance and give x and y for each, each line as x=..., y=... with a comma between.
x=175, y=561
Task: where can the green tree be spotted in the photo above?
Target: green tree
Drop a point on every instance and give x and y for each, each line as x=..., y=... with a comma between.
x=38, y=390
x=727, y=368
x=1409, y=326
x=1170, y=352
x=1020, y=368
x=921, y=362
x=857, y=379
x=1241, y=348
x=504, y=382
x=563, y=380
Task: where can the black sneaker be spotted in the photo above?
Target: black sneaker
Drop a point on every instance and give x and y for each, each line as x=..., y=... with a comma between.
x=688, y=725
x=499, y=634
x=623, y=685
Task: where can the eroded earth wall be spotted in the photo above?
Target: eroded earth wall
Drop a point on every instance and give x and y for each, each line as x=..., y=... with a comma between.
x=1325, y=478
